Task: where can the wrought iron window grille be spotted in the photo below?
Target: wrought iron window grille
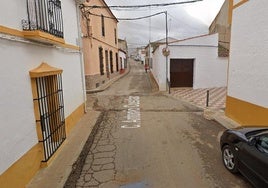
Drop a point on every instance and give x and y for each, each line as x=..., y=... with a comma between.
x=101, y=60
x=44, y=15
x=51, y=109
x=111, y=62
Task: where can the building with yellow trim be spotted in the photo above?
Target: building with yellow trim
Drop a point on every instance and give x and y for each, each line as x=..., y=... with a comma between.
x=41, y=79
x=247, y=101
x=100, y=43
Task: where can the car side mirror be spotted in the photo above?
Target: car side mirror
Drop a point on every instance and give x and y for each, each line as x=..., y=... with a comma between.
x=252, y=141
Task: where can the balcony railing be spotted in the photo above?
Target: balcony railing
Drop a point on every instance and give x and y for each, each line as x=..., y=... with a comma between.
x=45, y=16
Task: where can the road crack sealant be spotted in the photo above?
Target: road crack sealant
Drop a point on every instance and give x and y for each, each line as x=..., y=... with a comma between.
x=78, y=165
x=96, y=164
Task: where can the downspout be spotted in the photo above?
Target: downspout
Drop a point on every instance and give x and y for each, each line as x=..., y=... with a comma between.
x=81, y=56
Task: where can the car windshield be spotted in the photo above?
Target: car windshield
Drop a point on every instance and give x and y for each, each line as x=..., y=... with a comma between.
x=257, y=132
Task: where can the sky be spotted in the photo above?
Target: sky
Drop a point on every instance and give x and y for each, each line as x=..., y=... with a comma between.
x=184, y=21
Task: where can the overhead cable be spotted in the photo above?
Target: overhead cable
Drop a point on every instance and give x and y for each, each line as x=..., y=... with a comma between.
x=127, y=19
x=141, y=6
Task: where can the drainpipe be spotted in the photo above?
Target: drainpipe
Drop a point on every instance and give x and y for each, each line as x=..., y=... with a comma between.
x=81, y=56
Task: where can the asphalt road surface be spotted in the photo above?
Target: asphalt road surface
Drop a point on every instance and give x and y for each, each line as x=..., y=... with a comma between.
x=148, y=139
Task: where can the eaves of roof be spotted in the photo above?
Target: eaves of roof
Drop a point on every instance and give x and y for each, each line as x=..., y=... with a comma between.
x=109, y=10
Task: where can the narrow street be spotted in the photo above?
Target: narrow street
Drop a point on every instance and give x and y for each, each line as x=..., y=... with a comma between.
x=148, y=139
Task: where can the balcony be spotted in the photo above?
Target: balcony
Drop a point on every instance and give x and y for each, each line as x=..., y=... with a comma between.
x=45, y=22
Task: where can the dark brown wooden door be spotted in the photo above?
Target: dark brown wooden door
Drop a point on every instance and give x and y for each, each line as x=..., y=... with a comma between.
x=181, y=72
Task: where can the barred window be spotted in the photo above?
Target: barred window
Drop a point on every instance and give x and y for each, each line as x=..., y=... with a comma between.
x=49, y=109
x=101, y=60
x=111, y=62
x=116, y=60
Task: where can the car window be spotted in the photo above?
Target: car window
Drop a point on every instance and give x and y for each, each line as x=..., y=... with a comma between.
x=263, y=143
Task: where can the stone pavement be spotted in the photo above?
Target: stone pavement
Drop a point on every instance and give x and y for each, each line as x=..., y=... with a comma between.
x=216, y=104
x=198, y=97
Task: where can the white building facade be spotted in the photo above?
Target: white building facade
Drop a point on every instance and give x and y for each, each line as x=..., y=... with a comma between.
x=192, y=62
x=123, y=54
x=247, y=101
x=42, y=84
x=122, y=59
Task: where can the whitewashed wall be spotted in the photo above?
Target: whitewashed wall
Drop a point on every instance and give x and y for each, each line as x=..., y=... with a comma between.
x=70, y=21
x=16, y=11
x=209, y=69
x=248, y=55
x=17, y=121
x=159, y=68
x=18, y=132
x=123, y=56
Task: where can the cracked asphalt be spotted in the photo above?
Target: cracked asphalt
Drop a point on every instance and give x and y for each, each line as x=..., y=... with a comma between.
x=145, y=138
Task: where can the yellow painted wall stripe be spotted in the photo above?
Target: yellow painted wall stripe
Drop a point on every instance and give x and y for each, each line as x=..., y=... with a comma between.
x=243, y=112
x=9, y=31
x=246, y=113
x=70, y=46
x=239, y=4
x=35, y=34
x=233, y=6
x=73, y=119
x=23, y=170
x=44, y=70
x=43, y=36
x=230, y=13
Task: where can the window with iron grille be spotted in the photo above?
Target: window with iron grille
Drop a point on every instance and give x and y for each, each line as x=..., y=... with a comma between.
x=51, y=110
x=107, y=63
x=116, y=60
x=44, y=15
x=111, y=62
x=101, y=60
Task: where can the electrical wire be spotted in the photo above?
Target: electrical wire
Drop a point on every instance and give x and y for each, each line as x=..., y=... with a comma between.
x=140, y=6
x=83, y=8
x=127, y=19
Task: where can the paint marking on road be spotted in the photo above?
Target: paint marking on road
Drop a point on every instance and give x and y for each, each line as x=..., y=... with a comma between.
x=133, y=116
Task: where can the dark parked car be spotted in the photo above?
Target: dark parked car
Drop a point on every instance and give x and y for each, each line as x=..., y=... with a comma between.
x=245, y=150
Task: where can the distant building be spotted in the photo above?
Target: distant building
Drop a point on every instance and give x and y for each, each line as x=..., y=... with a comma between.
x=192, y=62
x=100, y=43
x=150, y=48
x=221, y=25
x=41, y=80
x=247, y=101
x=141, y=54
x=123, y=54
